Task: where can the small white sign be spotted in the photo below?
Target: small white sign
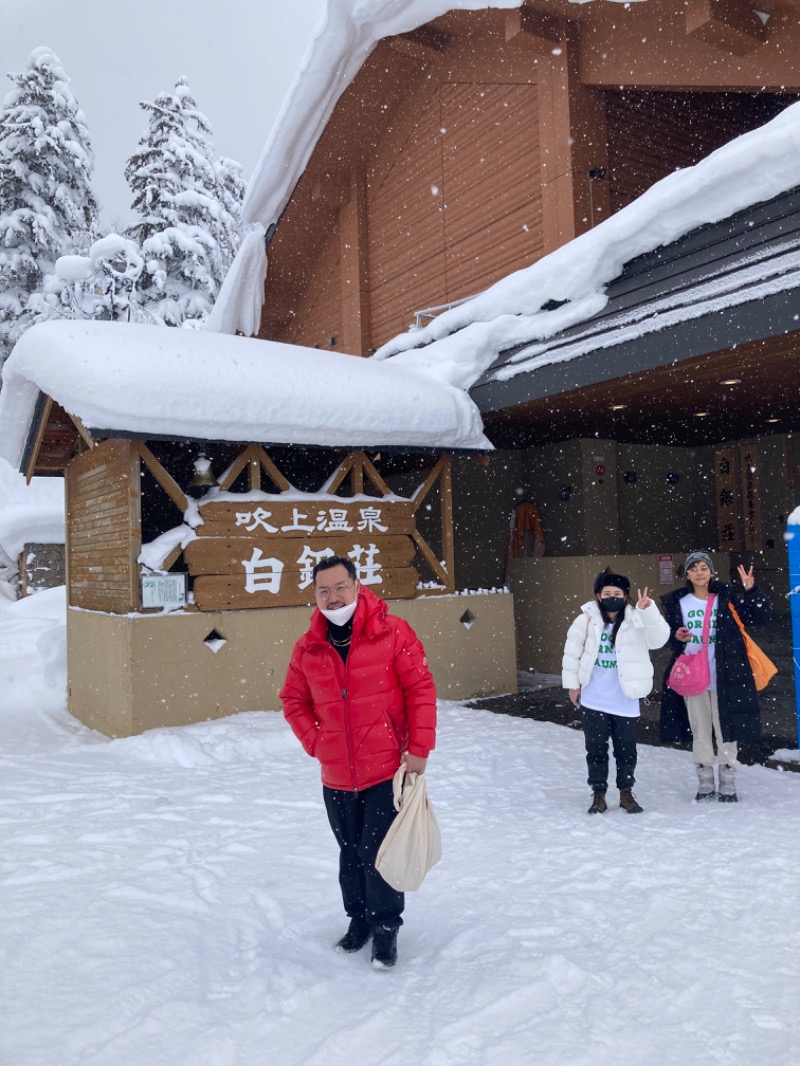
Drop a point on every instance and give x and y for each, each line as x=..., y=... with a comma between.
x=164, y=590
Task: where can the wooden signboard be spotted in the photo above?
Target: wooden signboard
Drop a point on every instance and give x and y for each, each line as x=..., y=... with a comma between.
x=725, y=486
x=261, y=554
x=751, y=510
x=227, y=593
x=291, y=519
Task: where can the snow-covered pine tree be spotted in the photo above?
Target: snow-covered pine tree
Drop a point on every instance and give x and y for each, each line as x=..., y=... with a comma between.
x=185, y=227
x=231, y=188
x=47, y=207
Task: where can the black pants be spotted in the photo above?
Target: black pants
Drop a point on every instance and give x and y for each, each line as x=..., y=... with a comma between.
x=360, y=821
x=598, y=726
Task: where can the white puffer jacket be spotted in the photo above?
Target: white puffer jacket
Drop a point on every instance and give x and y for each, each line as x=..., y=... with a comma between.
x=640, y=631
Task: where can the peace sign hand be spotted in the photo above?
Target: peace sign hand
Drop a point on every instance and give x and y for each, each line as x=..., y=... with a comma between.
x=644, y=600
x=748, y=580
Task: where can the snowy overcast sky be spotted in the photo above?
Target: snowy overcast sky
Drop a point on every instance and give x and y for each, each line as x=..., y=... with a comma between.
x=239, y=59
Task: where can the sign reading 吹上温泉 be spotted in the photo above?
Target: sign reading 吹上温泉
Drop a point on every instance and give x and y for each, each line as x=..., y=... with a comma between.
x=262, y=554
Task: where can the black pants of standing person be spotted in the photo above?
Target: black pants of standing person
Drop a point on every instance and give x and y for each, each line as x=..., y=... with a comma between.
x=598, y=728
x=360, y=821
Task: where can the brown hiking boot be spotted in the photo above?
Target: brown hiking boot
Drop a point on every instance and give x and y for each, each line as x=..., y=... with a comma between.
x=599, y=805
x=628, y=802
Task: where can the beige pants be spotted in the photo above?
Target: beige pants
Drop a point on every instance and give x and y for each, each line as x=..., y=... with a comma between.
x=704, y=720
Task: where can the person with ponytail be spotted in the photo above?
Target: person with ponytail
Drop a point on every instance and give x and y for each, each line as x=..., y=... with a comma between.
x=607, y=669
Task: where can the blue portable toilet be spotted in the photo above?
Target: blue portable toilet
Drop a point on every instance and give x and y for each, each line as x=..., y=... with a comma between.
x=793, y=544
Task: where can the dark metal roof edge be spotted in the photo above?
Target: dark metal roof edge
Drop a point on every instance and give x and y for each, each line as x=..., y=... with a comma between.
x=744, y=223
x=393, y=449
x=33, y=430
x=685, y=340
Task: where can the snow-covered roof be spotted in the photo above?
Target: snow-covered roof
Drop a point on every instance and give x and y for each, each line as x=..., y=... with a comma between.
x=462, y=343
x=346, y=35
x=29, y=514
x=148, y=381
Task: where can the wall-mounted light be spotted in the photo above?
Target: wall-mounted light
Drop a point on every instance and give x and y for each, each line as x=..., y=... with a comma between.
x=701, y=414
x=630, y=477
x=731, y=381
x=618, y=406
x=564, y=493
x=773, y=420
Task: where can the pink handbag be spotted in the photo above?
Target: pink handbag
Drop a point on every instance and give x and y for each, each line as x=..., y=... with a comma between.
x=690, y=674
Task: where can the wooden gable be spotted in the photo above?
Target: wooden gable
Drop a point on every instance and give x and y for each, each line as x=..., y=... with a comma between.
x=54, y=439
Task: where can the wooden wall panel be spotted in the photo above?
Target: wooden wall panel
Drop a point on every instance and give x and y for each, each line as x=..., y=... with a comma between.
x=103, y=538
x=318, y=312
x=651, y=134
x=406, y=227
x=461, y=206
x=492, y=183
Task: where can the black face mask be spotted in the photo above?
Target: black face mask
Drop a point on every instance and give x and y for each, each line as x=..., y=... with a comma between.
x=612, y=604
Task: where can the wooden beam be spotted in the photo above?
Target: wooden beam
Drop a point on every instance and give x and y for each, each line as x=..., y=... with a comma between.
x=165, y=480
x=376, y=479
x=427, y=485
x=357, y=474
x=237, y=466
x=331, y=187
x=86, y=436
x=732, y=26
x=424, y=43
x=281, y=482
x=339, y=474
x=532, y=29
x=39, y=437
x=429, y=557
x=446, y=505
x=354, y=259
x=135, y=519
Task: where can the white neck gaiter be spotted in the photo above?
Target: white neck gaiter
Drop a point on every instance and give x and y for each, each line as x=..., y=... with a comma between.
x=341, y=615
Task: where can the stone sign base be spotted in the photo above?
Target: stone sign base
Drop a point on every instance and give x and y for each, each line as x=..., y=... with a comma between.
x=129, y=673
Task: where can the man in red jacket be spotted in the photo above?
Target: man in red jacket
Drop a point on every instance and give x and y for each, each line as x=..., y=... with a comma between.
x=359, y=697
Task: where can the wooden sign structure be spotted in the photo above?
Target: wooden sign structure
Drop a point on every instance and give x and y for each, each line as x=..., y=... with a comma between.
x=251, y=553
x=729, y=537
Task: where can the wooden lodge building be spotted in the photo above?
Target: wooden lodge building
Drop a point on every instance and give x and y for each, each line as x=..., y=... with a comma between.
x=441, y=159
x=472, y=146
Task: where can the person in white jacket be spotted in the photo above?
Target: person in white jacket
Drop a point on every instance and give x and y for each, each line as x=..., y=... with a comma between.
x=607, y=669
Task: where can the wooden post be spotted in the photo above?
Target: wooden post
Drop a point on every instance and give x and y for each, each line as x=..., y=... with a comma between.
x=354, y=252
x=446, y=500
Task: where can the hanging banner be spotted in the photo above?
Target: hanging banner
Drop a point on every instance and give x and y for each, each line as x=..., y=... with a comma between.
x=729, y=536
x=751, y=504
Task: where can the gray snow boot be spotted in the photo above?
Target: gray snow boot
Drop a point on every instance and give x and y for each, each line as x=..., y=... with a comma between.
x=727, y=785
x=705, y=783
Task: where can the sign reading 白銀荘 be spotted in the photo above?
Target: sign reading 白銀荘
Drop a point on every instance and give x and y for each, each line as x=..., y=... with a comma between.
x=262, y=553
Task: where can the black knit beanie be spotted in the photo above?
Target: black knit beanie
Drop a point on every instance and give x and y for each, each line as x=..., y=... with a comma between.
x=617, y=580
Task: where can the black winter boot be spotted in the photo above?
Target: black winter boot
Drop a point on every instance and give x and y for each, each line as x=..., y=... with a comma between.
x=628, y=802
x=358, y=933
x=384, y=947
x=599, y=805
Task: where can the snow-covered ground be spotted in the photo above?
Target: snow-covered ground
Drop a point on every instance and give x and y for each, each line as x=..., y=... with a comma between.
x=171, y=900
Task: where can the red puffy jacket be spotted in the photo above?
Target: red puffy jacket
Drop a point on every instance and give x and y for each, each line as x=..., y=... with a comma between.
x=358, y=717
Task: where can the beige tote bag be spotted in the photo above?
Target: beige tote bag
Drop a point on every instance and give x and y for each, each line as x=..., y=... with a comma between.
x=413, y=844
